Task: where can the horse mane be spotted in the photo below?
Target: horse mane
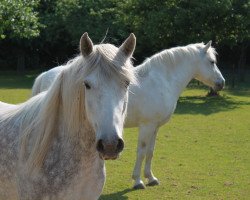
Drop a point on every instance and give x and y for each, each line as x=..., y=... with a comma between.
x=37, y=85
x=171, y=57
x=62, y=105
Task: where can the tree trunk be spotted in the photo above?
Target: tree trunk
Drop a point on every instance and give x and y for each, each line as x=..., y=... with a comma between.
x=242, y=62
x=21, y=62
x=233, y=77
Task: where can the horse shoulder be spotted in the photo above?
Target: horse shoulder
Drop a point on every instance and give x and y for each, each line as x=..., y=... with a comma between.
x=68, y=173
x=8, y=155
x=152, y=100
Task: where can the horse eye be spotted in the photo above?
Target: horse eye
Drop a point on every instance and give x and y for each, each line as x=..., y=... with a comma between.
x=212, y=62
x=87, y=85
x=127, y=84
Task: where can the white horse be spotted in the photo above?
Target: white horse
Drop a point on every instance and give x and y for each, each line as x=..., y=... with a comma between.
x=151, y=103
x=54, y=145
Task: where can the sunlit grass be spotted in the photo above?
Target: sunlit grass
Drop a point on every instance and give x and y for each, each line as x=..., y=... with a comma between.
x=202, y=153
x=15, y=88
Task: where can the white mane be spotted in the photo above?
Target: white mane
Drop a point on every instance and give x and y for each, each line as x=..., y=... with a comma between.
x=172, y=57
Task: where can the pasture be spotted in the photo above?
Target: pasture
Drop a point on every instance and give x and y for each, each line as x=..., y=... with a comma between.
x=202, y=153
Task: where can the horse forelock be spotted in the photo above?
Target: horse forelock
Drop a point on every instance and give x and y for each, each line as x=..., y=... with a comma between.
x=107, y=59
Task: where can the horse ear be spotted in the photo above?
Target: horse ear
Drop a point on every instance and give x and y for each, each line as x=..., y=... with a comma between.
x=208, y=45
x=128, y=46
x=86, y=45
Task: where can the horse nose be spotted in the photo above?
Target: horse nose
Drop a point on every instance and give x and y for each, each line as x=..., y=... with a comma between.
x=220, y=84
x=120, y=145
x=109, y=149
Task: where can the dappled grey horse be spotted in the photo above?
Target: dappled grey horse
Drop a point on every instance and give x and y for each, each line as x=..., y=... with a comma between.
x=54, y=145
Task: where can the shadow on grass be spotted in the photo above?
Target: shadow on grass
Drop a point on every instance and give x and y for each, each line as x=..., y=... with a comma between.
x=16, y=81
x=242, y=91
x=207, y=105
x=117, y=195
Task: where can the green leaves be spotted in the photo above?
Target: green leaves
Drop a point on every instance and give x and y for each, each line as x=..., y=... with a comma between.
x=18, y=19
x=173, y=22
x=164, y=23
x=58, y=24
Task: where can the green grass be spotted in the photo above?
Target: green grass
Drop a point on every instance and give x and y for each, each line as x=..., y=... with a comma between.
x=15, y=88
x=202, y=153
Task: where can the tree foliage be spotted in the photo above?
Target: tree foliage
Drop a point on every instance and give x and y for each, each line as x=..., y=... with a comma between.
x=166, y=23
x=18, y=19
x=158, y=24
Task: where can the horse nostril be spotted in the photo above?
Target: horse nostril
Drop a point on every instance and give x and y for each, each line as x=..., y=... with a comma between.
x=219, y=85
x=120, y=145
x=100, y=146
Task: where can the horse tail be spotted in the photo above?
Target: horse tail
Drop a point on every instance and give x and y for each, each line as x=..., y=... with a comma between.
x=36, y=88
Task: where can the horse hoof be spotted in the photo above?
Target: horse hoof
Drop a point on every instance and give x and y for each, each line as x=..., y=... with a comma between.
x=153, y=183
x=139, y=187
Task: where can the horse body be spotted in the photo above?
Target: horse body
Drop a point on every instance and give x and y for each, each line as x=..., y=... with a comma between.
x=146, y=105
x=151, y=103
x=53, y=146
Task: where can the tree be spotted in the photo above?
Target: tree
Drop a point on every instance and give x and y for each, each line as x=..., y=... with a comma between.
x=157, y=24
x=19, y=21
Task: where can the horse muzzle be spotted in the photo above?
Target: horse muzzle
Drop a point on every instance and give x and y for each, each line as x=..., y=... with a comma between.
x=109, y=150
x=219, y=85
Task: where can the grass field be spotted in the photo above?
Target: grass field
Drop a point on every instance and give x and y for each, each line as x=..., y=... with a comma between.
x=202, y=153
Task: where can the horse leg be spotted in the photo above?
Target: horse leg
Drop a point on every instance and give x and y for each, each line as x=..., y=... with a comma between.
x=145, y=132
x=152, y=180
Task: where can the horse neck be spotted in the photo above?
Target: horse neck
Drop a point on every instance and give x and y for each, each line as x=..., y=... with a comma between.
x=177, y=72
